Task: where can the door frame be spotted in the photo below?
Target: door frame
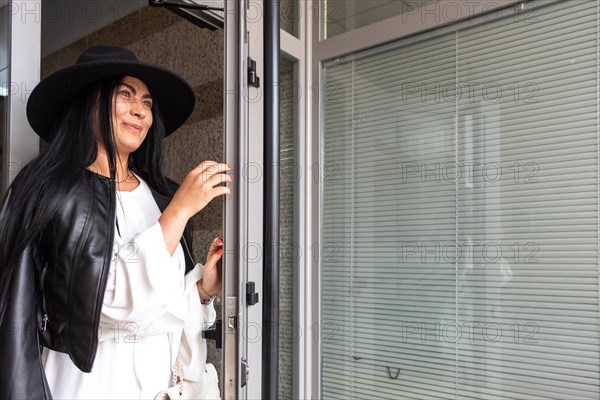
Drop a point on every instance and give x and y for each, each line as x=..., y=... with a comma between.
x=243, y=210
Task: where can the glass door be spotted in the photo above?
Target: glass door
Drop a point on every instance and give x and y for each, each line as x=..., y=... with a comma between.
x=20, y=32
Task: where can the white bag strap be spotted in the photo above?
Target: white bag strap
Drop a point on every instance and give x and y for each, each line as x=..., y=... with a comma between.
x=177, y=367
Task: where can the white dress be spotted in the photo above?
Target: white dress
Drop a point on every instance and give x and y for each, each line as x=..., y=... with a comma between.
x=150, y=306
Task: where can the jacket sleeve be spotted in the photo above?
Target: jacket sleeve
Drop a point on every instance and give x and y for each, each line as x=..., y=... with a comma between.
x=22, y=374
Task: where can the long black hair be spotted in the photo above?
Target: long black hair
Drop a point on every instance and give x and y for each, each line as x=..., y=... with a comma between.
x=40, y=188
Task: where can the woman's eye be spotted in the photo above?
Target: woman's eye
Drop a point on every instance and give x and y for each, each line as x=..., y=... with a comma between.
x=148, y=104
x=125, y=93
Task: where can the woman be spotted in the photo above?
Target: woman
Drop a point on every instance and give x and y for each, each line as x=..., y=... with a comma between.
x=96, y=262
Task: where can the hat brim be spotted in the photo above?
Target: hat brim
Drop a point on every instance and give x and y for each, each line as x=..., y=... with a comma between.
x=49, y=99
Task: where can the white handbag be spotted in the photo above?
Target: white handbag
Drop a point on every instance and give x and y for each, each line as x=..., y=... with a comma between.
x=206, y=389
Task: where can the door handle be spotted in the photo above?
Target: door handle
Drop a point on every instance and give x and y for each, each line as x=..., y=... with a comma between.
x=245, y=372
x=214, y=333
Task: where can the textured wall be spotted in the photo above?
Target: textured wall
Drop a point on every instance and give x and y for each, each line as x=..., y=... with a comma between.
x=160, y=37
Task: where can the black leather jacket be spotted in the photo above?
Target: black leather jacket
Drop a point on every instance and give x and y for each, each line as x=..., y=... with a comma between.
x=58, y=288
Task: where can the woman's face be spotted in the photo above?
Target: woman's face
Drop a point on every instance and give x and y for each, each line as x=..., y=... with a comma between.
x=132, y=114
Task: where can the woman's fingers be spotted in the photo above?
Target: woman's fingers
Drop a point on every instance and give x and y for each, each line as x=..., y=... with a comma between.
x=214, y=174
x=201, y=186
x=211, y=168
x=204, y=165
x=218, y=178
x=211, y=280
x=215, y=245
x=220, y=190
x=216, y=255
x=212, y=270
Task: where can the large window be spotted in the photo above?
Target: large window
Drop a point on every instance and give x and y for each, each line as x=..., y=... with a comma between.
x=459, y=212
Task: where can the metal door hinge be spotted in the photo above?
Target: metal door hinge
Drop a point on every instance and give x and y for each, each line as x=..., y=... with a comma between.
x=253, y=79
x=251, y=295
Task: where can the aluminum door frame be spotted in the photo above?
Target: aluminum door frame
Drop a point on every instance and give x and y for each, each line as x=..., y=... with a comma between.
x=230, y=370
x=243, y=209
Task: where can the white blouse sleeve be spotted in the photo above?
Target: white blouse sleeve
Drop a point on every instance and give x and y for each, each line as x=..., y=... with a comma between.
x=193, y=346
x=146, y=285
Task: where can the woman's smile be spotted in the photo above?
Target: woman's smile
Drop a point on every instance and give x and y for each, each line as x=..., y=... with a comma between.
x=133, y=127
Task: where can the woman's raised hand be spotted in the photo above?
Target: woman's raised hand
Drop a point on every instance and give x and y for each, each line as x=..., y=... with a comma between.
x=200, y=186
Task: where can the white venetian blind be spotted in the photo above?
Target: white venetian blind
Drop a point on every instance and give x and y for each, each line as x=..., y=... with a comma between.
x=459, y=213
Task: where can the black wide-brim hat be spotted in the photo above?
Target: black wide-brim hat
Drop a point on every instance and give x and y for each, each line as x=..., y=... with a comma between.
x=50, y=98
